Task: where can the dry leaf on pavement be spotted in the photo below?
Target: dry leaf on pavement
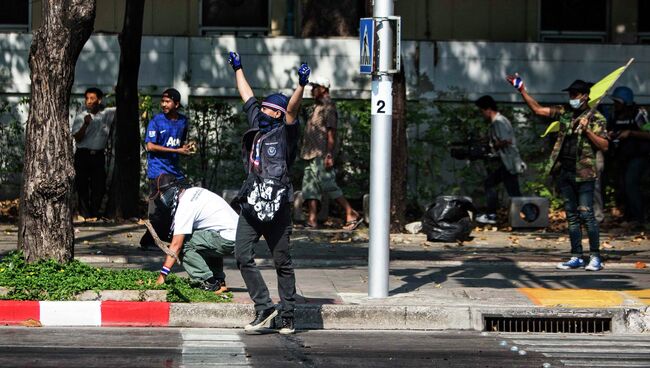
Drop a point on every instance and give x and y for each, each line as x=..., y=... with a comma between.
x=31, y=323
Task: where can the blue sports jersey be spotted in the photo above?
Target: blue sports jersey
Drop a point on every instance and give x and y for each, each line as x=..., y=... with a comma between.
x=167, y=133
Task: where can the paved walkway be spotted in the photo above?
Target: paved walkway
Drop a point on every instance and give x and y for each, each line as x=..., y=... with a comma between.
x=496, y=268
x=431, y=285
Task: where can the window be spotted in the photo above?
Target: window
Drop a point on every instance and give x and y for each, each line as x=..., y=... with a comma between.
x=14, y=15
x=574, y=20
x=644, y=21
x=644, y=16
x=247, y=17
x=342, y=18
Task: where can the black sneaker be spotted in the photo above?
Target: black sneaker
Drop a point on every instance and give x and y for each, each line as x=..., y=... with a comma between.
x=216, y=285
x=287, y=327
x=261, y=319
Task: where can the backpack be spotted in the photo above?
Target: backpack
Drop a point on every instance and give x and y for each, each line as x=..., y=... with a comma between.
x=267, y=159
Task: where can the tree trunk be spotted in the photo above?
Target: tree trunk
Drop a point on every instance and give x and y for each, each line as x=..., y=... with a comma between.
x=399, y=155
x=125, y=183
x=45, y=225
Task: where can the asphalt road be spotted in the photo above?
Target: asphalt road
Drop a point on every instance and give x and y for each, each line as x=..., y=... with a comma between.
x=201, y=348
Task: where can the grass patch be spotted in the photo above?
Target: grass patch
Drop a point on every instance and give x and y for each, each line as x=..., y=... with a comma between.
x=49, y=280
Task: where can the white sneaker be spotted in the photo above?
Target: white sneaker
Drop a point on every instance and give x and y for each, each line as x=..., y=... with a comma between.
x=595, y=264
x=490, y=219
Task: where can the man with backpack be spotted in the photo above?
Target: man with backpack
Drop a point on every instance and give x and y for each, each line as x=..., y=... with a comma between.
x=268, y=150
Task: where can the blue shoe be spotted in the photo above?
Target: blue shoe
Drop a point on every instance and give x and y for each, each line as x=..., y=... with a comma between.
x=574, y=262
x=595, y=264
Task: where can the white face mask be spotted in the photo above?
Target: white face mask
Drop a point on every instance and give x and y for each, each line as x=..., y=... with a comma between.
x=575, y=103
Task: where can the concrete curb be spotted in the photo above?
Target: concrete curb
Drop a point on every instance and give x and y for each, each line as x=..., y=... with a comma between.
x=308, y=316
x=84, y=313
x=329, y=316
x=363, y=317
x=306, y=262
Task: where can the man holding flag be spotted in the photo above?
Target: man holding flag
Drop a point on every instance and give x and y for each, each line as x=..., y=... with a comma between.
x=581, y=133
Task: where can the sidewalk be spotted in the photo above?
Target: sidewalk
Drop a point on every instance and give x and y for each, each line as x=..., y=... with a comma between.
x=432, y=285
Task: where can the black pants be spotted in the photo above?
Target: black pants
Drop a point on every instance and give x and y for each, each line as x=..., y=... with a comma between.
x=276, y=233
x=90, y=180
x=500, y=175
x=160, y=218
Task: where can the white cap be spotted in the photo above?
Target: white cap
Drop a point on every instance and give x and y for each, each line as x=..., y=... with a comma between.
x=320, y=82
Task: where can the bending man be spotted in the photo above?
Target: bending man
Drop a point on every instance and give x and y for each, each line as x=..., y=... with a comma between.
x=203, y=229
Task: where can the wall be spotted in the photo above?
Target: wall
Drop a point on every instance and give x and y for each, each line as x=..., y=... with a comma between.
x=198, y=65
x=465, y=20
x=494, y=20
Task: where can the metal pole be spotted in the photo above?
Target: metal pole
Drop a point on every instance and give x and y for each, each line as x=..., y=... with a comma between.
x=380, y=156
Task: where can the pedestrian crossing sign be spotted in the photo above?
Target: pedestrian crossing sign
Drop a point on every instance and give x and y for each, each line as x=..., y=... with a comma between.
x=366, y=45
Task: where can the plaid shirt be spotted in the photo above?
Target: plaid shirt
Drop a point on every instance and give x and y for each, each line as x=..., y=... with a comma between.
x=315, y=137
x=586, y=150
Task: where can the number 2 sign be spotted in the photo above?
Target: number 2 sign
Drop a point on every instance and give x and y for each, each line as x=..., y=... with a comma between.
x=382, y=98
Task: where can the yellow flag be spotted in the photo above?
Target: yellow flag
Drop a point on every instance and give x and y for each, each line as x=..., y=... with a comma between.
x=599, y=89
x=597, y=92
x=552, y=128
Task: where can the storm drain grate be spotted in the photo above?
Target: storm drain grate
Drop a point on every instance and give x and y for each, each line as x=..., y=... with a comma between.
x=550, y=325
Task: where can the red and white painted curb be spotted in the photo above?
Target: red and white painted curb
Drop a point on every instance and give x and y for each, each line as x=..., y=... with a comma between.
x=87, y=313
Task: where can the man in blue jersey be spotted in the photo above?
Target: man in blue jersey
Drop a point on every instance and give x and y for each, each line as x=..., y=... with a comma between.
x=165, y=141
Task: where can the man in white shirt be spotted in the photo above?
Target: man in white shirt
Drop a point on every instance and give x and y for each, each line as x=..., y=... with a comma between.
x=204, y=227
x=90, y=130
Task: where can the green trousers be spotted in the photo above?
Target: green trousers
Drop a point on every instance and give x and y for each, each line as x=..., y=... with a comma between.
x=202, y=254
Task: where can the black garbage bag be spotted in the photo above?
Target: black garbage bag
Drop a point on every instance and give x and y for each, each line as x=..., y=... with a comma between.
x=449, y=219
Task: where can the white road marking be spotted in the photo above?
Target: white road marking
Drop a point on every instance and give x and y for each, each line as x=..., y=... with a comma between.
x=578, y=350
x=207, y=347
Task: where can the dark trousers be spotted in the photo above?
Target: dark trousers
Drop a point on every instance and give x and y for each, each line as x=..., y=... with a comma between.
x=500, y=175
x=160, y=218
x=90, y=180
x=625, y=174
x=578, y=205
x=635, y=169
x=276, y=233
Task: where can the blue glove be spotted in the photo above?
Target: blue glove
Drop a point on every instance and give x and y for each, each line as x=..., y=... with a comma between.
x=303, y=74
x=234, y=61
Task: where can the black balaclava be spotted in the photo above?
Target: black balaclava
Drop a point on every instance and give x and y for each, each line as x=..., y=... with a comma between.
x=277, y=102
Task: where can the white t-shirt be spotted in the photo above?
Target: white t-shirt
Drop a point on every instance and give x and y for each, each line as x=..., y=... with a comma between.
x=200, y=209
x=98, y=129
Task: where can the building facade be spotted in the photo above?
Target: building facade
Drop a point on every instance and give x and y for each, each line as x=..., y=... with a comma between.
x=592, y=21
x=464, y=44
